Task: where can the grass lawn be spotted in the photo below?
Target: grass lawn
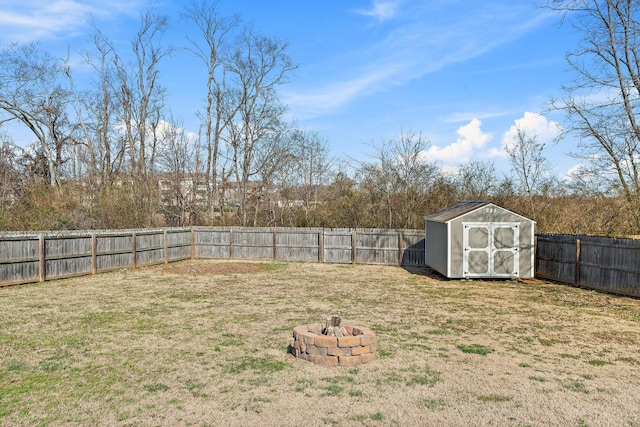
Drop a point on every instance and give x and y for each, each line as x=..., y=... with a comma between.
x=204, y=343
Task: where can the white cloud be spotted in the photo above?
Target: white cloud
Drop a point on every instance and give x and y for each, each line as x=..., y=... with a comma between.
x=419, y=42
x=534, y=125
x=471, y=139
x=382, y=10
x=29, y=20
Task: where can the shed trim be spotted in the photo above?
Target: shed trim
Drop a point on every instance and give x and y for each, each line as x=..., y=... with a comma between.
x=465, y=207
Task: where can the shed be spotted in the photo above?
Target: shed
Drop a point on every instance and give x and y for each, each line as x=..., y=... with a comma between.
x=475, y=238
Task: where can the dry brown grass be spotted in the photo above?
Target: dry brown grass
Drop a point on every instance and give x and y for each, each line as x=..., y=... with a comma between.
x=205, y=343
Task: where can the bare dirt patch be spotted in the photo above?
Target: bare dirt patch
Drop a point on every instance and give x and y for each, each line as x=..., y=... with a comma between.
x=151, y=346
x=213, y=268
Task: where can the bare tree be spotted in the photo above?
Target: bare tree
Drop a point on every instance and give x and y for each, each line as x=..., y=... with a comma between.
x=399, y=178
x=602, y=103
x=313, y=166
x=259, y=66
x=178, y=183
x=529, y=164
x=101, y=103
x=477, y=180
x=212, y=50
x=32, y=93
x=12, y=175
x=142, y=97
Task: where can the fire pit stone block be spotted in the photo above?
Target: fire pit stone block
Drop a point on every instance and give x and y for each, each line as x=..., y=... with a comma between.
x=359, y=346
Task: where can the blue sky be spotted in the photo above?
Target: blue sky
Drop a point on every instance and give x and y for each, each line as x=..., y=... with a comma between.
x=461, y=72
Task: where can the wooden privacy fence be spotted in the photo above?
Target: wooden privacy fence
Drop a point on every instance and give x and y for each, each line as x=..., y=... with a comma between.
x=33, y=257
x=601, y=263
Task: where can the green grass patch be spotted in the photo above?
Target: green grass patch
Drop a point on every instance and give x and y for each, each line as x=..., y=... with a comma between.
x=15, y=365
x=575, y=385
x=262, y=365
x=427, y=377
x=302, y=384
x=333, y=390
x=432, y=404
x=195, y=388
x=376, y=417
x=347, y=379
x=475, y=349
x=546, y=342
x=629, y=360
x=156, y=387
x=276, y=266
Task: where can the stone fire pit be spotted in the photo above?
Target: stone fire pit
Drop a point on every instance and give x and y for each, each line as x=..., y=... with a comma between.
x=333, y=344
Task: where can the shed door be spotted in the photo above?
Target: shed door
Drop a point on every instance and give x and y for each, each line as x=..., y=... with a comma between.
x=490, y=249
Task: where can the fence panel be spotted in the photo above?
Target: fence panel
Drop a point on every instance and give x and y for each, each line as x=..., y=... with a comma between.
x=67, y=256
x=298, y=244
x=413, y=254
x=178, y=244
x=212, y=243
x=19, y=259
x=338, y=246
x=378, y=247
x=149, y=248
x=253, y=244
x=556, y=258
x=114, y=251
x=600, y=263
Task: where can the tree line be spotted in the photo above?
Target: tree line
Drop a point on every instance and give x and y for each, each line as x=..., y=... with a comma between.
x=109, y=153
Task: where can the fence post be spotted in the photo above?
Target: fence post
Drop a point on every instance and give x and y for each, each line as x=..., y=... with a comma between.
x=94, y=254
x=133, y=250
x=166, y=246
x=42, y=264
x=231, y=254
x=275, y=244
x=353, y=246
x=321, y=246
x=577, y=272
x=193, y=242
x=400, y=247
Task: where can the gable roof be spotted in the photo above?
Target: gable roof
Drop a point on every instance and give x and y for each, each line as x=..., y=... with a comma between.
x=463, y=208
x=456, y=210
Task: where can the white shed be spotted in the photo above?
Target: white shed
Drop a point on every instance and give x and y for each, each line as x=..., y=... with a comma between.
x=477, y=239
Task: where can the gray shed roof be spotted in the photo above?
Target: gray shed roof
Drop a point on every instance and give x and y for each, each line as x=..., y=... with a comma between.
x=454, y=211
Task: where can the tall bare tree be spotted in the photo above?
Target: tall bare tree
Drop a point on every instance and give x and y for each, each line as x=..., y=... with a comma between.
x=259, y=65
x=142, y=96
x=602, y=103
x=215, y=31
x=32, y=93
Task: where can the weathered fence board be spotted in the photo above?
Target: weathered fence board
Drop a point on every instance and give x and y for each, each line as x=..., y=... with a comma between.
x=338, y=246
x=19, y=259
x=298, y=244
x=600, y=263
x=252, y=244
x=114, y=251
x=212, y=243
x=413, y=252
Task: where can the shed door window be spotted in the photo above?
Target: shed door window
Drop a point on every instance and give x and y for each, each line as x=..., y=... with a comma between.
x=490, y=249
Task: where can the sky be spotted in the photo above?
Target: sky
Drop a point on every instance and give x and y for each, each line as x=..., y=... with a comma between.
x=462, y=73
